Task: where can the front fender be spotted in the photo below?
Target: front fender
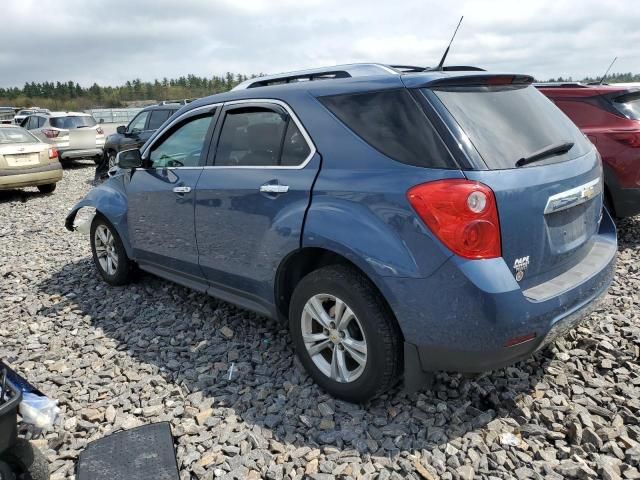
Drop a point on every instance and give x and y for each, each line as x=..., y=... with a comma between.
x=110, y=200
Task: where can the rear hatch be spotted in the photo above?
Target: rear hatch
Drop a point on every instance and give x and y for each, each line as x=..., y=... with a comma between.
x=77, y=132
x=545, y=174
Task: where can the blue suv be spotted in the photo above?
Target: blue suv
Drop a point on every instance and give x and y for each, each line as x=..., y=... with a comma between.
x=401, y=220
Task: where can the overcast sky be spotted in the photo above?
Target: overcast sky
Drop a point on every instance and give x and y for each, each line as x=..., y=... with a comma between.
x=111, y=41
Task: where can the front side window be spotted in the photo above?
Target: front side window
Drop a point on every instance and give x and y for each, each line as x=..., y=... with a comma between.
x=183, y=147
x=138, y=123
x=259, y=137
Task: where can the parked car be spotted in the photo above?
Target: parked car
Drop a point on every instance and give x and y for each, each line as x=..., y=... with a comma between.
x=398, y=221
x=74, y=134
x=25, y=161
x=134, y=135
x=610, y=116
x=23, y=114
x=6, y=115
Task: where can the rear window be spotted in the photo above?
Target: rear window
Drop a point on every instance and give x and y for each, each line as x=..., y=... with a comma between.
x=629, y=105
x=507, y=123
x=15, y=135
x=72, y=122
x=392, y=122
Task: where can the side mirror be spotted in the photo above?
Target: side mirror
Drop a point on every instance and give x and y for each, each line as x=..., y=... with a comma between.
x=129, y=159
x=121, y=129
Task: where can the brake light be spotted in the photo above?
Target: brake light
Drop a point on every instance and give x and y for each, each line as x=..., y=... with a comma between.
x=631, y=139
x=53, y=153
x=100, y=131
x=462, y=214
x=49, y=133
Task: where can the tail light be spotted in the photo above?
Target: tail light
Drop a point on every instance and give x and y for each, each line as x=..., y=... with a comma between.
x=462, y=214
x=100, y=131
x=53, y=153
x=631, y=139
x=50, y=133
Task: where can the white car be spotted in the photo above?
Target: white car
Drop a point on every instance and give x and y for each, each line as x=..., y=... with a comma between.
x=74, y=134
x=23, y=114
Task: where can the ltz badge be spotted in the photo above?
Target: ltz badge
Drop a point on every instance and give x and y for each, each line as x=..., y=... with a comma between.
x=520, y=265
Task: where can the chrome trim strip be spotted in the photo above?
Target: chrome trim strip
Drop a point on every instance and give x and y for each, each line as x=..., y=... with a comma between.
x=305, y=135
x=575, y=196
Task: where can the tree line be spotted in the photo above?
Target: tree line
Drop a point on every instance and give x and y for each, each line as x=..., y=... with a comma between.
x=72, y=96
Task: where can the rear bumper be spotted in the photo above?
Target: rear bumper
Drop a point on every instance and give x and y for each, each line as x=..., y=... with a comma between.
x=30, y=176
x=463, y=316
x=626, y=201
x=84, y=153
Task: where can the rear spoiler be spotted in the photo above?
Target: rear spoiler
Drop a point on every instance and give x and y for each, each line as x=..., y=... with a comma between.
x=464, y=80
x=481, y=80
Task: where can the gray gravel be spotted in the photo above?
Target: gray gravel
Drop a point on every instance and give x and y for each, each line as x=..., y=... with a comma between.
x=153, y=351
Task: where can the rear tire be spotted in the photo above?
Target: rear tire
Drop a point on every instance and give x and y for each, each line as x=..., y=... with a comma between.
x=109, y=255
x=352, y=346
x=48, y=188
x=26, y=461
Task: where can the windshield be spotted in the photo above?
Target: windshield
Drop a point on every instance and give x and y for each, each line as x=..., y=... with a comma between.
x=629, y=105
x=507, y=123
x=72, y=122
x=16, y=135
x=25, y=112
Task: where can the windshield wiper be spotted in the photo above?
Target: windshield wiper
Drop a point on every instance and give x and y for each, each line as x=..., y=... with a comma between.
x=548, y=151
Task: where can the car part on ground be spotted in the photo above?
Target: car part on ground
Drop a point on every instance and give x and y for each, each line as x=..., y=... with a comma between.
x=610, y=116
x=477, y=248
x=25, y=161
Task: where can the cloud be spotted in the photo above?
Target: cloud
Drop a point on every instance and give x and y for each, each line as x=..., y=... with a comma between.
x=110, y=42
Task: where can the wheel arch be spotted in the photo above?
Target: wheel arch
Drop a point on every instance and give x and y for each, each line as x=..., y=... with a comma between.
x=305, y=260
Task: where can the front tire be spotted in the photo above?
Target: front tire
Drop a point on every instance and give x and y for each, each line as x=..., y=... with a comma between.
x=344, y=334
x=109, y=255
x=26, y=461
x=48, y=188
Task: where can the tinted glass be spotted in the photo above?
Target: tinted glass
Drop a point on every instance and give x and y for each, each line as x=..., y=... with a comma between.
x=158, y=117
x=41, y=121
x=71, y=122
x=15, y=135
x=295, y=148
x=138, y=123
x=182, y=148
x=629, y=105
x=394, y=124
x=251, y=137
x=507, y=123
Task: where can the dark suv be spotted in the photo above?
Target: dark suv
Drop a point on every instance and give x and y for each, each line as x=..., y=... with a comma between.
x=140, y=128
x=610, y=116
x=398, y=221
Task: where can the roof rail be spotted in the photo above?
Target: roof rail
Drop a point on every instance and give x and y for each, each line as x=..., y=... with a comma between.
x=338, y=71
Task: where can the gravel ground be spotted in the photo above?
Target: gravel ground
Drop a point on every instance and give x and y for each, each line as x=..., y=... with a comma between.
x=240, y=406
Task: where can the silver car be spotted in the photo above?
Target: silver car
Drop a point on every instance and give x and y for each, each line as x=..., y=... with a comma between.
x=27, y=112
x=74, y=134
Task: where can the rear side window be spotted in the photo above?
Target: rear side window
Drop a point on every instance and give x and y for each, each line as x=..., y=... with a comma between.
x=71, y=122
x=507, y=123
x=393, y=123
x=158, y=117
x=256, y=136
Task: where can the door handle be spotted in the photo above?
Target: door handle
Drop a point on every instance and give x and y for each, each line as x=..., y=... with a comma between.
x=274, y=188
x=181, y=189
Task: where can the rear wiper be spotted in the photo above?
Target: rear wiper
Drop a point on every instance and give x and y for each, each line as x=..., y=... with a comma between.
x=548, y=151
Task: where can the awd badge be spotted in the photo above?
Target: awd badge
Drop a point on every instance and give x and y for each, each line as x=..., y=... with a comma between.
x=520, y=265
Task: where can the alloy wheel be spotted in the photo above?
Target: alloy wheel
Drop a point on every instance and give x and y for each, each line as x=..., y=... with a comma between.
x=106, y=249
x=334, y=338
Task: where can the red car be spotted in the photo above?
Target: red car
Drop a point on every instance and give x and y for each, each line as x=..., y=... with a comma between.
x=610, y=116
